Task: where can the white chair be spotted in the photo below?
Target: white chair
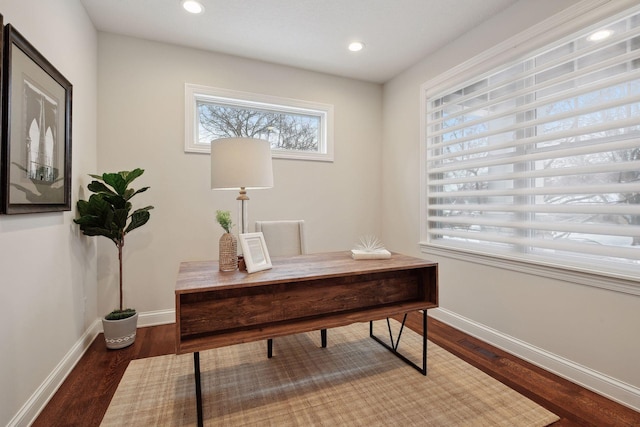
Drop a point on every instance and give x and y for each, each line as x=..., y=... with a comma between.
x=285, y=238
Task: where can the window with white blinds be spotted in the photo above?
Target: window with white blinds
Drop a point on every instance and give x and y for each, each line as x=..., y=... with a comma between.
x=540, y=159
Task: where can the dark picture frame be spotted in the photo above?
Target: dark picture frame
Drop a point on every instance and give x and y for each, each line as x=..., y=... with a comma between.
x=1, y=114
x=36, y=130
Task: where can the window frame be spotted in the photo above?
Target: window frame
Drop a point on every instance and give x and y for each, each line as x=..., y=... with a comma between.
x=197, y=93
x=584, y=15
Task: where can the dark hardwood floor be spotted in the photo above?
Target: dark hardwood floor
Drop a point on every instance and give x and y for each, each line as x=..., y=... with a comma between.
x=84, y=397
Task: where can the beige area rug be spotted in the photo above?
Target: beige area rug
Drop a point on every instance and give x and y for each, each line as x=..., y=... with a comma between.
x=353, y=382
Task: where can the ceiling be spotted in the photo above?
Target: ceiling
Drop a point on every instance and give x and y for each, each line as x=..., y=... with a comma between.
x=308, y=34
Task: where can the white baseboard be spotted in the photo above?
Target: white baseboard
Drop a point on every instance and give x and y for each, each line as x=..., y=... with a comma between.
x=158, y=317
x=39, y=399
x=595, y=381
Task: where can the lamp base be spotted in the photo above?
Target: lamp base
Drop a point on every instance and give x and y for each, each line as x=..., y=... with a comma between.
x=243, y=211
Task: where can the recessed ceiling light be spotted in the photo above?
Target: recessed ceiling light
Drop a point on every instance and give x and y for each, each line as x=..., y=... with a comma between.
x=599, y=35
x=193, y=6
x=356, y=46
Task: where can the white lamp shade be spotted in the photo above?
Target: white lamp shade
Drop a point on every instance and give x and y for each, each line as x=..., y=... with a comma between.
x=241, y=162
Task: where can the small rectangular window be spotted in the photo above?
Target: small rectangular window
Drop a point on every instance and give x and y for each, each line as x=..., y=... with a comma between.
x=296, y=129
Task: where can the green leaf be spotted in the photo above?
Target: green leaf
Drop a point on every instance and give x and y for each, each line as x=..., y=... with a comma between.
x=95, y=206
x=120, y=218
x=116, y=201
x=142, y=190
x=138, y=219
x=130, y=176
x=100, y=231
x=83, y=208
x=116, y=181
x=99, y=187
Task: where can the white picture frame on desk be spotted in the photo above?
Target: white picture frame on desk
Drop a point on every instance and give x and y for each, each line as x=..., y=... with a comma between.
x=256, y=254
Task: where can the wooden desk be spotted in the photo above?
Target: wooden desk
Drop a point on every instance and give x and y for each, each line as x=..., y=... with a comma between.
x=299, y=294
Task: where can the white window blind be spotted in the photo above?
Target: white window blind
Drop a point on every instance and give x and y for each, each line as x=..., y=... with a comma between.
x=540, y=159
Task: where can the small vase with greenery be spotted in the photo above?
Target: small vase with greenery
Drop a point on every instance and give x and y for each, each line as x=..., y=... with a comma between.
x=224, y=219
x=228, y=245
x=108, y=213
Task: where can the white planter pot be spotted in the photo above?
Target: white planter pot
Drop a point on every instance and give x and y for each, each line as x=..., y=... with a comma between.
x=120, y=333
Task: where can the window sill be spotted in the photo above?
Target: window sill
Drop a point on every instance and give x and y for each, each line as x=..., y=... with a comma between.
x=627, y=285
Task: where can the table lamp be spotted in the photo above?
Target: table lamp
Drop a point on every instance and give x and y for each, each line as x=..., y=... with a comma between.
x=241, y=164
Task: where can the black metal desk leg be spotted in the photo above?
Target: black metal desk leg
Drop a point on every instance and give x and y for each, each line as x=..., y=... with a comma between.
x=196, y=369
x=270, y=348
x=393, y=346
x=424, y=342
x=323, y=337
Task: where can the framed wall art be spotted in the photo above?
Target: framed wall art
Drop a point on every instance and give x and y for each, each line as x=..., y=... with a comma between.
x=254, y=249
x=1, y=148
x=36, y=130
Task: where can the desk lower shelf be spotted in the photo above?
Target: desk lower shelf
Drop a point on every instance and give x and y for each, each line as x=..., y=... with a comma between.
x=277, y=329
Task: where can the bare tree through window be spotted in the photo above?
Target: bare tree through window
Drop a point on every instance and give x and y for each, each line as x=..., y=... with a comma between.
x=296, y=129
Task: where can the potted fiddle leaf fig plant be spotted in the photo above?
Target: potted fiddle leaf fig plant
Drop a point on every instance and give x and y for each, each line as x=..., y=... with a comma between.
x=108, y=213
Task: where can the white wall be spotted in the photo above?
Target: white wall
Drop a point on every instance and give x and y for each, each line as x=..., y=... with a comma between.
x=585, y=333
x=141, y=124
x=48, y=271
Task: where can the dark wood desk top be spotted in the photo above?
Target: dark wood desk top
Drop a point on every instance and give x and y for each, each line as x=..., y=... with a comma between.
x=197, y=276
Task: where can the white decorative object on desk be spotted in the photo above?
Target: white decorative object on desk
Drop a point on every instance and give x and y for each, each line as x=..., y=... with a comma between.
x=370, y=248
